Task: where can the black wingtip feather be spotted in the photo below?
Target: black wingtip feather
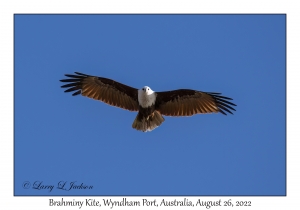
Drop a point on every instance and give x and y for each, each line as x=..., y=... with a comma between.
x=76, y=93
x=69, y=85
x=73, y=76
x=220, y=110
x=212, y=93
x=70, y=80
x=81, y=74
x=72, y=89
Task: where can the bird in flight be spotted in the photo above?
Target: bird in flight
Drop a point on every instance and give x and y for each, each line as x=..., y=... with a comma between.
x=150, y=105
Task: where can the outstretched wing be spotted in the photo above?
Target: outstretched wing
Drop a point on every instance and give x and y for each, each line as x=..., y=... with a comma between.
x=103, y=89
x=186, y=102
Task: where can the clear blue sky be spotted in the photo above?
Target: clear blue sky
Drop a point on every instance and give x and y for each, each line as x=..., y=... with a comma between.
x=59, y=137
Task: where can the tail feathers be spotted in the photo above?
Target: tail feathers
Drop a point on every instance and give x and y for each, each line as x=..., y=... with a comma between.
x=149, y=123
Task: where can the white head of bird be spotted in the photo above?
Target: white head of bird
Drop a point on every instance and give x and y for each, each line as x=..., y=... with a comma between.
x=146, y=96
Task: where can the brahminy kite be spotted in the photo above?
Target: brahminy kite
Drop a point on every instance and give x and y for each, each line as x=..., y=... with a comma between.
x=150, y=105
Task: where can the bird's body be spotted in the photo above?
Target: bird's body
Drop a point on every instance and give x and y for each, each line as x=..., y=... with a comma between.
x=148, y=118
x=149, y=104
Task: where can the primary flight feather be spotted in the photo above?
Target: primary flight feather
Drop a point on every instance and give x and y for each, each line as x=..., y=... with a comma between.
x=150, y=105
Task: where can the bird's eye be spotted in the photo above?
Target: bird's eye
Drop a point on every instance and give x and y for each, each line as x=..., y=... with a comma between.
x=143, y=89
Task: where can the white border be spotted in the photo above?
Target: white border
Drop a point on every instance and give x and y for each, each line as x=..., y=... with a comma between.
x=8, y=8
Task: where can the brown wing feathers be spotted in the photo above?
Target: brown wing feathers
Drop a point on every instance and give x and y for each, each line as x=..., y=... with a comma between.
x=103, y=89
x=189, y=102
